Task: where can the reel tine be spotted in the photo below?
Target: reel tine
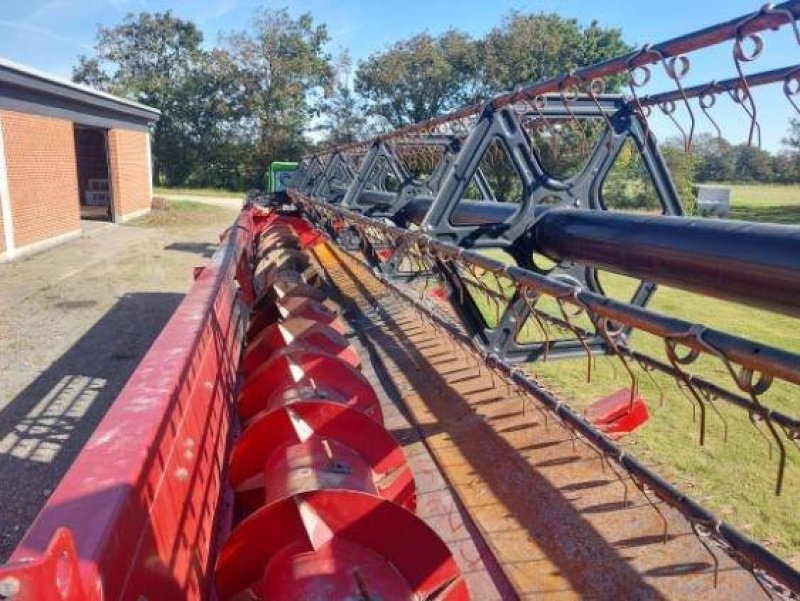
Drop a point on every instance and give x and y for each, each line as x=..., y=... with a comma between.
x=602, y=325
x=701, y=533
x=571, y=94
x=686, y=378
x=791, y=88
x=576, y=331
x=707, y=99
x=742, y=94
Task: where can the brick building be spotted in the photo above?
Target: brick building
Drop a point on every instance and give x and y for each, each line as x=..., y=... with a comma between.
x=67, y=153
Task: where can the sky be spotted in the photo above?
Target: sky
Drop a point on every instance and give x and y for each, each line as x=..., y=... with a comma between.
x=50, y=34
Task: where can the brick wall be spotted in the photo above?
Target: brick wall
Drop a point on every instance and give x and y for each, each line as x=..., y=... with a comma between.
x=42, y=176
x=130, y=172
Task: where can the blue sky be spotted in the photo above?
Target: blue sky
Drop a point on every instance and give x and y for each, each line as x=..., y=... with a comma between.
x=50, y=34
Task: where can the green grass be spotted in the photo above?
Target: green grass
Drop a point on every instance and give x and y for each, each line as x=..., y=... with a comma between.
x=180, y=205
x=178, y=212
x=764, y=202
x=764, y=195
x=205, y=192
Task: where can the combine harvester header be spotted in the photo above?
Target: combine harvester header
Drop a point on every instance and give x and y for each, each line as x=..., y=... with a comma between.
x=343, y=407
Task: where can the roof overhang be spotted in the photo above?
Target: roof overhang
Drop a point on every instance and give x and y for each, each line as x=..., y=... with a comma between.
x=30, y=91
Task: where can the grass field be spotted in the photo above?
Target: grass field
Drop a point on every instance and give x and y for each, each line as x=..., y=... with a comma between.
x=203, y=192
x=770, y=203
x=736, y=478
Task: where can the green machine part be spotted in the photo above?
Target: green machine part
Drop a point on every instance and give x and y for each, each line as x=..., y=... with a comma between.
x=278, y=176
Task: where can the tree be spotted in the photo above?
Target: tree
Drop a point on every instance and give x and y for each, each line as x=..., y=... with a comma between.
x=786, y=167
x=786, y=163
x=419, y=78
x=226, y=113
x=345, y=122
x=715, y=158
x=683, y=169
x=344, y=119
x=526, y=48
x=216, y=127
x=89, y=72
x=629, y=185
x=792, y=140
x=148, y=58
x=426, y=75
x=283, y=68
x=752, y=164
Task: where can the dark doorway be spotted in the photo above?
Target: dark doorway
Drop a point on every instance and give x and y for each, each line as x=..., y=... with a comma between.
x=94, y=185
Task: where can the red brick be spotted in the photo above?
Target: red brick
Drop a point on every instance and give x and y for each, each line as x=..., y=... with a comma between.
x=42, y=176
x=130, y=172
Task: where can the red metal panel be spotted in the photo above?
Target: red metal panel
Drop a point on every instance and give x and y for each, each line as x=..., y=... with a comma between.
x=619, y=413
x=54, y=575
x=141, y=499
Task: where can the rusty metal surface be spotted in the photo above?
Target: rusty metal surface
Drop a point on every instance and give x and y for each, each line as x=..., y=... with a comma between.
x=559, y=521
x=437, y=504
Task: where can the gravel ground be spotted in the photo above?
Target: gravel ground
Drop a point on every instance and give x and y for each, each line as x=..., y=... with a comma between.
x=74, y=323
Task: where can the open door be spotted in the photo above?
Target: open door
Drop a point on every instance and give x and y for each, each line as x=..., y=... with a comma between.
x=94, y=184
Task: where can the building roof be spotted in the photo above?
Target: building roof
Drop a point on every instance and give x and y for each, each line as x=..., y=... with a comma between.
x=30, y=91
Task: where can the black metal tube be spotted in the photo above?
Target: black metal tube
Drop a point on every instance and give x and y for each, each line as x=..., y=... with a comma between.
x=468, y=212
x=755, y=264
x=751, y=263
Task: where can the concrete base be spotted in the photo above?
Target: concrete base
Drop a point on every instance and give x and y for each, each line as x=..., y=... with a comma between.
x=129, y=216
x=41, y=245
x=37, y=247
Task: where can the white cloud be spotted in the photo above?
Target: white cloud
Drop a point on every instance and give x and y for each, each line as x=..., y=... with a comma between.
x=218, y=9
x=25, y=27
x=46, y=10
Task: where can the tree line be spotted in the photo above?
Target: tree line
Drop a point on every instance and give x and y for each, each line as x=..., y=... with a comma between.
x=274, y=91
x=717, y=160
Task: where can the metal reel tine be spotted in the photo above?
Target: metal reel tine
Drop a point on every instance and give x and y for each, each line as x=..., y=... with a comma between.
x=574, y=123
x=686, y=379
x=743, y=94
x=709, y=398
x=618, y=475
x=576, y=332
x=648, y=371
x=778, y=441
x=530, y=302
x=677, y=67
x=701, y=534
x=602, y=324
x=643, y=489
